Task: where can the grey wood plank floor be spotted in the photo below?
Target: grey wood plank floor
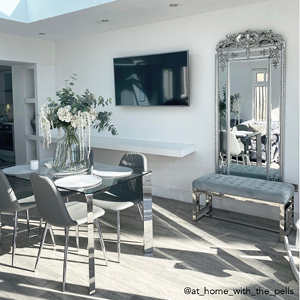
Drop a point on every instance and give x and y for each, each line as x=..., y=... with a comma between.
x=215, y=259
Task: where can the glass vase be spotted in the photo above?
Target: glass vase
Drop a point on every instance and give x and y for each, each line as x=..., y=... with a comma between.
x=68, y=155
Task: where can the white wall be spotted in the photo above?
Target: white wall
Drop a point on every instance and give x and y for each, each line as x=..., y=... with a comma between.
x=91, y=58
x=21, y=52
x=25, y=50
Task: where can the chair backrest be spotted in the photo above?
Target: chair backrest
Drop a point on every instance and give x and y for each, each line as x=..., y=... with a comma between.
x=8, y=199
x=49, y=202
x=134, y=160
x=235, y=148
x=133, y=189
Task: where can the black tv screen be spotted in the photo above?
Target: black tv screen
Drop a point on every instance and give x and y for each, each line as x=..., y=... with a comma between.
x=152, y=80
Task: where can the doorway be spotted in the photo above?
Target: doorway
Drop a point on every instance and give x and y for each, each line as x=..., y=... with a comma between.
x=7, y=153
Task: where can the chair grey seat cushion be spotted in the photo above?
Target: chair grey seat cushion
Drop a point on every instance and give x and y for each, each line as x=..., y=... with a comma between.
x=26, y=200
x=78, y=212
x=26, y=203
x=112, y=202
x=20, y=205
x=12, y=202
x=272, y=191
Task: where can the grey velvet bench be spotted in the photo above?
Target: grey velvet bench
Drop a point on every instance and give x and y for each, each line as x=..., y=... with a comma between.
x=241, y=188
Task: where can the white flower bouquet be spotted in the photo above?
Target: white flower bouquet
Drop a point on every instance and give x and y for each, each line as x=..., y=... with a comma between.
x=75, y=113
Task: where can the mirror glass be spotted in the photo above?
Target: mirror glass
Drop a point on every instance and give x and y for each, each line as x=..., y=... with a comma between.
x=249, y=122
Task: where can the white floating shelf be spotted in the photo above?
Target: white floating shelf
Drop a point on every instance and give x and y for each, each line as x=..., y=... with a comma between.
x=31, y=137
x=29, y=100
x=147, y=147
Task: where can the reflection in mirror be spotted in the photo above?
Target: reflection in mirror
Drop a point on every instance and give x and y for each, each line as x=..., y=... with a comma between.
x=249, y=122
x=222, y=94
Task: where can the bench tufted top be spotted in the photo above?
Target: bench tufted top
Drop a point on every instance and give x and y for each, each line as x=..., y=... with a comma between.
x=272, y=191
x=252, y=172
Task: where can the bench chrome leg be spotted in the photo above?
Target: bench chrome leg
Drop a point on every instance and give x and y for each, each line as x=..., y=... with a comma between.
x=281, y=222
x=196, y=204
x=286, y=217
x=289, y=216
x=198, y=213
x=209, y=200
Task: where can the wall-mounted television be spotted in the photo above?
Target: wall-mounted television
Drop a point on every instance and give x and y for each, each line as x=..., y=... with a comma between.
x=152, y=80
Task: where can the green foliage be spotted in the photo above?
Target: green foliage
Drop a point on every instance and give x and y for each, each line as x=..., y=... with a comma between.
x=222, y=103
x=82, y=103
x=104, y=118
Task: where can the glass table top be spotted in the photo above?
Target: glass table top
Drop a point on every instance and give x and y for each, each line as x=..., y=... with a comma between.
x=105, y=184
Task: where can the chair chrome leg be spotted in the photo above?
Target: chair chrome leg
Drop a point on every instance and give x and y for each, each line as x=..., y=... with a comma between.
x=0, y=230
x=14, y=237
x=297, y=244
x=52, y=235
x=118, y=235
x=41, y=246
x=140, y=208
x=101, y=241
x=40, y=227
x=28, y=222
x=65, y=258
x=77, y=236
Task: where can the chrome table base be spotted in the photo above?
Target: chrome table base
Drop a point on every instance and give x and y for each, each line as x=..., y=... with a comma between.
x=91, y=249
x=147, y=213
x=148, y=228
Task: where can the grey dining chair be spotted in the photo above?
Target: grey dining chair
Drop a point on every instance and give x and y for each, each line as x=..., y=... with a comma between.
x=54, y=211
x=12, y=203
x=124, y=195
x=69, y=194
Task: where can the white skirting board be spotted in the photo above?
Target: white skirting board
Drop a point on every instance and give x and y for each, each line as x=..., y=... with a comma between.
x=249, y=208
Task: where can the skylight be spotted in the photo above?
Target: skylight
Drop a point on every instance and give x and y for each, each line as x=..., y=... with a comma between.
x=27, y=11
x=8, y=6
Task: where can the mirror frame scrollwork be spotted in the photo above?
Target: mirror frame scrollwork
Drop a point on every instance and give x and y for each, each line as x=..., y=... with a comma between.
x=245, y=46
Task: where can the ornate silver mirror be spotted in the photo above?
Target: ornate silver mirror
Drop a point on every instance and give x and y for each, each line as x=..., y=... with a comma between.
x=250, y=73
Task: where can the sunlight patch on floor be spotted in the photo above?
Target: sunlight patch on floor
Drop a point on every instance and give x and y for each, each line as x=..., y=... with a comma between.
x=65, y=293
x=257, y=257
x=216, y=243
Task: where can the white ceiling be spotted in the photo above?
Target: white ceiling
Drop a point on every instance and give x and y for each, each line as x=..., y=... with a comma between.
x=120, y=13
